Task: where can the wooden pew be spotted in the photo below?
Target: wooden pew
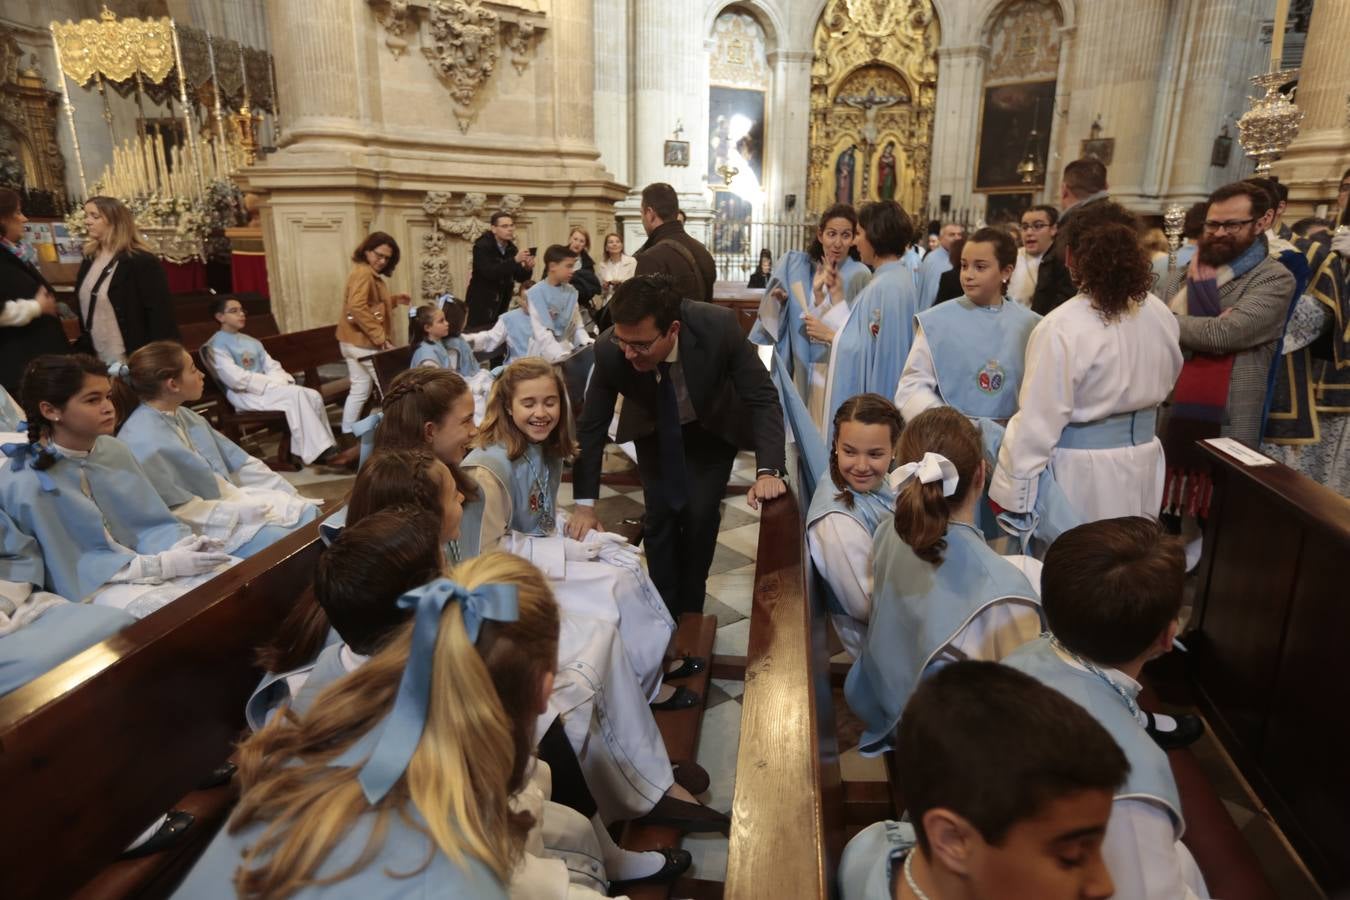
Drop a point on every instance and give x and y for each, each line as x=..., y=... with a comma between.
x=94, y=750
x=740, y=299
x=1271, y=623
x=388, y=363
x=303, y=352
x=787, y=817
x=188, y=308
x=193, y=334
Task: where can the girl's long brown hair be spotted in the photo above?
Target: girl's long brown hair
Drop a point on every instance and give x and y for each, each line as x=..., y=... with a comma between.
x=471, y=758
x=869, y=409
x=499, y=428
x=921, y=512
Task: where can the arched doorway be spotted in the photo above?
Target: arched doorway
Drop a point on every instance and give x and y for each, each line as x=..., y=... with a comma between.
x=873, y=85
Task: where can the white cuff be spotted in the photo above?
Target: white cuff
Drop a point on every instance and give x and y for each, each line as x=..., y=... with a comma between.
x=579, y=502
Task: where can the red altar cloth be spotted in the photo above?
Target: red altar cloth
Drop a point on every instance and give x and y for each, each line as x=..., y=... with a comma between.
x=185, y=278
x=248, y=273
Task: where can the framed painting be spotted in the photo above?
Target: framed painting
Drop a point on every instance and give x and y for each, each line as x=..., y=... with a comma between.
x=736, y=132
x=677, y=153
x=1011, y=112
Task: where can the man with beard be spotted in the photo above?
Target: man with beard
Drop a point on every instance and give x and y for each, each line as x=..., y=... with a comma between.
x=1231, y=304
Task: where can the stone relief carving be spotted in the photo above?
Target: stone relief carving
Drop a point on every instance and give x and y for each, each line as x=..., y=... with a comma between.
x=465, y=41
x=1024, y=42
x=465, y=219
x=739, y=56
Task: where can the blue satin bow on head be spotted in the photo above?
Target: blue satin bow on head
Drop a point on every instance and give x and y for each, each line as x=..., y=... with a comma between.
x=22, y=454
x=404, y=725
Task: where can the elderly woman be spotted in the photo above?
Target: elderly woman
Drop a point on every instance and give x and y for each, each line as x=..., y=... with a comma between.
x=28, y=324
x=367, y=318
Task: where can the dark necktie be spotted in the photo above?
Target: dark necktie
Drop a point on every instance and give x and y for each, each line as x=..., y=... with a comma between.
x=670, y=435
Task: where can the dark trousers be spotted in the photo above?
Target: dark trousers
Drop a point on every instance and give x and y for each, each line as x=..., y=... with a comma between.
x=680, y=544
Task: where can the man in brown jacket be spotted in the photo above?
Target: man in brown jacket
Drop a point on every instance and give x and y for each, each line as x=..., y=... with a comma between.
x=669, y=250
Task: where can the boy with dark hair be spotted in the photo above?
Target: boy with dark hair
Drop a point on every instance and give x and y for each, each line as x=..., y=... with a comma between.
x=1008, y=786
x=556, y=329
x=1111, y=591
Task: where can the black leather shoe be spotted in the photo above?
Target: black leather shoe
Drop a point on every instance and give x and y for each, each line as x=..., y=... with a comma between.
x=687, y=817
x=683, y=698
x=1187, y=732
x=175, y=825
x=677, y=863
x=690, y=775
x=220, y=775
x=689, y=665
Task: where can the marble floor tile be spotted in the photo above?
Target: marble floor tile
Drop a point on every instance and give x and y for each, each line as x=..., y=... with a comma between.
x=725, y=559
x=725, y=614
x=733, y=687
x=853, y=766
x=718, y=744
x=744, y=540
x=737, y=502
x=732, y=640
x=734, y=588
x=734, y=517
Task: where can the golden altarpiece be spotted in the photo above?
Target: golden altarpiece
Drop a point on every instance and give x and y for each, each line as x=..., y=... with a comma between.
x=873, y=90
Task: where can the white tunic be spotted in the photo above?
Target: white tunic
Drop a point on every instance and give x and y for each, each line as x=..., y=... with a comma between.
x=1081, y=369
x=841, y=550
x=1022, y=285
x=276, y=391
x=918, y=387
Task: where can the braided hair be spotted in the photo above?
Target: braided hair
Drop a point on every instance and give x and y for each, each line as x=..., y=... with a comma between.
x=416, y=397
x=52, y=379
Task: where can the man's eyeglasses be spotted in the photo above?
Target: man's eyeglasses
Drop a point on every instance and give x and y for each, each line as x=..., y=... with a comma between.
x=1034, y=226
x=641, y=348
x=1232, y=227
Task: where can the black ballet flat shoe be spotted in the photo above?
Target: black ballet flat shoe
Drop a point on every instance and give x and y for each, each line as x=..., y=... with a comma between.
x=690, y=818
x=175, y=826
x=1187, y=732
x=689, y=665
x=690, y=775
x=677, y=863
x=683, y=698
x=220, y=775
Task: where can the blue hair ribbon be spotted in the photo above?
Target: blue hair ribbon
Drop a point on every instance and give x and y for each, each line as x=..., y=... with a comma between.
x=23, y=454
x=118, y=370
x=402, y=728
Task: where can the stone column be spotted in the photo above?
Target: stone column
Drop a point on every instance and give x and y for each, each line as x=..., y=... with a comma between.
x=1313, y=164
x=318, y=59
x=612, y=110
x=956, y=124
x=789, y=135
x=670, y=84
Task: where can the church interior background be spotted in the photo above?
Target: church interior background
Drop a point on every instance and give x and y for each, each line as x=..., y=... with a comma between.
x=306, y=124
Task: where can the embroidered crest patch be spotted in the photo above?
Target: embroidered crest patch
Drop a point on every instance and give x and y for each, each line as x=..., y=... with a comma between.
x=991, y=377
x=875, y=327
x=247, y=359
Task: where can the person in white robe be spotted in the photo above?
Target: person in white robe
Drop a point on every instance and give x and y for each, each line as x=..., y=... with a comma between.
x=556, y=328
x=254, y=381
x=1097, y=368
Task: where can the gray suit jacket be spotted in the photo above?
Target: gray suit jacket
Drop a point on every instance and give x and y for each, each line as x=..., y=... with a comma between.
x=1260, y=302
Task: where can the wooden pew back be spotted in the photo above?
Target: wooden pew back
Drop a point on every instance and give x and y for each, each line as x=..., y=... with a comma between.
x=194, y=334
x=388, y=363
x=787, y=815
x=304, y=352
x=94, y=750
x=1271, y=623
x=188, y=308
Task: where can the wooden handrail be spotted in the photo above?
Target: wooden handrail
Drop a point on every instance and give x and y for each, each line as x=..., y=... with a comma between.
x=786, y=820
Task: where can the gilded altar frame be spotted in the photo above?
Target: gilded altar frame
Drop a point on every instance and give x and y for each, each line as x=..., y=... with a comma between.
x=29, y=110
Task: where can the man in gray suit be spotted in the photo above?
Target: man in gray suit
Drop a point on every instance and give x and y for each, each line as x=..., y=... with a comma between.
x=694, y=393
x=1237, y=301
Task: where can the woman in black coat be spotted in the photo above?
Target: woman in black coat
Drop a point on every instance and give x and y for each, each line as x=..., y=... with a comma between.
x=28, y=323
x=122, y=290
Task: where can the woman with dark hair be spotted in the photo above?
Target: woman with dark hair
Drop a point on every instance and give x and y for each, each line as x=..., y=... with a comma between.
x=122, y=289
x=1097, y=367
x=28, y=323
x=763, y=269
x=367, y=318
x=867, y=353
x=807, y=299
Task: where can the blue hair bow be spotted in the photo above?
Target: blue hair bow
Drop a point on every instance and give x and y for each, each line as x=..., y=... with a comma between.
x=22, y=455
x=118, y=370
x=402, y=729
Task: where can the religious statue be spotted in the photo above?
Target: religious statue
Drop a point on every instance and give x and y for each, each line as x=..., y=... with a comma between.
x=843, y=175
x=869, y=103
x=886, y=176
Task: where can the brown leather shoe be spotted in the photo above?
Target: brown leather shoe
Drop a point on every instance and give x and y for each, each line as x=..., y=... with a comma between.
x=687, y=817
x=347, y=459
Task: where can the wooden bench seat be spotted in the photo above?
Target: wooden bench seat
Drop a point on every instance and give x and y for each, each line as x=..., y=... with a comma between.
x=388, y=363
x=304, y=352
x=94, y=750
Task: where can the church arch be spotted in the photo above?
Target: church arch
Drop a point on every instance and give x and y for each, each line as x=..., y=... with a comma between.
x=765, y=14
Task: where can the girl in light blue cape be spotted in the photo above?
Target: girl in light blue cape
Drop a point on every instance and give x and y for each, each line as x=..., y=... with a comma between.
x=435, y=331
x=526, y=434
x=939, y=593
x=852, y=499
x=807, y=300
x=868, y=352
x=207, y=480
x=101, y=529
x=423, y=702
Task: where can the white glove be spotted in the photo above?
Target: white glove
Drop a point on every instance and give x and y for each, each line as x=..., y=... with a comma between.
x=1340, y=242
x=581, y=552
x=250, y=513
x=184, y=563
